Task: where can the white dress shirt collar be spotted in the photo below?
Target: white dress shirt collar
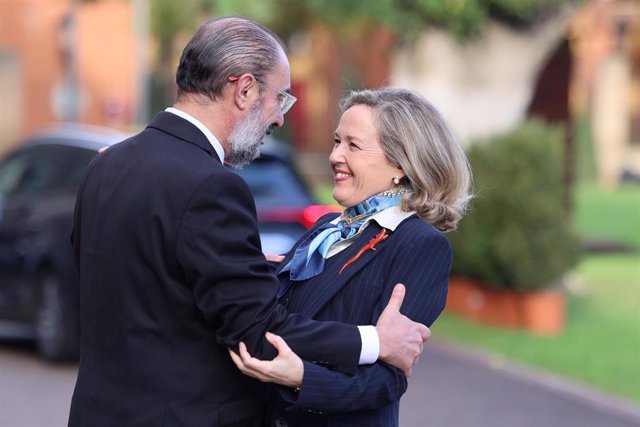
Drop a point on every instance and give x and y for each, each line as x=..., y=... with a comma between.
x=391, y=217
x=388, y=218
x=197, y=123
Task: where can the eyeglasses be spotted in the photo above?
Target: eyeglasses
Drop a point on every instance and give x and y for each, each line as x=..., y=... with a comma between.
x=285, y=100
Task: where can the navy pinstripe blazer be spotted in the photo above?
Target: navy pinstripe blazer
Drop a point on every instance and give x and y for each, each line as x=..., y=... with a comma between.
x=415, y=254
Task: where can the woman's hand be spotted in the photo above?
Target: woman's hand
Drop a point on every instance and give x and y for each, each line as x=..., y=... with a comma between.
x=286, y=369
x=274, y=258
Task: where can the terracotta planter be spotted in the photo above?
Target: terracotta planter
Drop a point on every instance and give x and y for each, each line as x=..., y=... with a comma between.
x=471, y=299
x=543, y=312
x=539, y=312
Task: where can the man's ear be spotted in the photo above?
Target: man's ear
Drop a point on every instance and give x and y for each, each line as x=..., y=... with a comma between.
x=246, y=90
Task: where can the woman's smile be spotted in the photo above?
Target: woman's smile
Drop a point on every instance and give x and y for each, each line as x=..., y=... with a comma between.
x=340, y=176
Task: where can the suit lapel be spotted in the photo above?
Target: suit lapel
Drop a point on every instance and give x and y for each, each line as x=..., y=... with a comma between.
x=323, y=287
x=182, y=129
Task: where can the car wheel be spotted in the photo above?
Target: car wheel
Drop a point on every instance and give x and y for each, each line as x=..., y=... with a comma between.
x=56, y=326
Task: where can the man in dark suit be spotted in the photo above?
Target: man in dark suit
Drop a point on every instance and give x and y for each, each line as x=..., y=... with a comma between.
x=168, y=250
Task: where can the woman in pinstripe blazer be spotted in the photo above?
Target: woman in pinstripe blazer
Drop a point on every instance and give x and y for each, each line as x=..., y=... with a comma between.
x=403, y=180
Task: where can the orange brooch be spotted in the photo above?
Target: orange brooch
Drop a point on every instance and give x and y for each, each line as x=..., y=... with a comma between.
x=382, y=235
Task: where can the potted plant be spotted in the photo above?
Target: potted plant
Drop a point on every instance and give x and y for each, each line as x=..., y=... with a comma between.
x=515, y=244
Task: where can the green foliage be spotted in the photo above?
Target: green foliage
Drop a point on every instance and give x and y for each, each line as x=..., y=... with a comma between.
x=462, y=18
x=169, y=18
x=263, y=11
x=516, y=235
x=521, y=11
x=585, y=160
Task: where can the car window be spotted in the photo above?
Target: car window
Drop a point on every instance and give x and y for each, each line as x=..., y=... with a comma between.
x=274, y=183
x=40, y=174
x=12, y=171
x=44, y=168
x=35, y=174
x=73, y=164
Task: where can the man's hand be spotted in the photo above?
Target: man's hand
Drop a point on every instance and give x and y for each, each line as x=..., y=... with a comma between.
x=401, y=339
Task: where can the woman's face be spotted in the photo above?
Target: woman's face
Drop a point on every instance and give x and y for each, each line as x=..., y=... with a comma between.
x=360, y=168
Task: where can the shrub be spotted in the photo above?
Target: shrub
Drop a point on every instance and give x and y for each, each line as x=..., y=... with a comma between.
x=516, y=234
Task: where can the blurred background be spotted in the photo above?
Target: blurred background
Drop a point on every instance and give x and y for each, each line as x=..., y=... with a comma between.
x=543, y=94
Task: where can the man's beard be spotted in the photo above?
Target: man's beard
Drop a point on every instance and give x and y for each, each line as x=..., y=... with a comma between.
x=245, y=139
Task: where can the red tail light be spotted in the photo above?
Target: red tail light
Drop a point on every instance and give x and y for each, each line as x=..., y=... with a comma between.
x=306, y=216
x=312, y=213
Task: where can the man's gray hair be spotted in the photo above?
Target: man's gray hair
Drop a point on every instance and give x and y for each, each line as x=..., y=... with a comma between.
x=225, y=47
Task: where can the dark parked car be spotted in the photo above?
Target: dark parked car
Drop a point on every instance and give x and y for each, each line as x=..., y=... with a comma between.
x=38, y=185
x=38, y=280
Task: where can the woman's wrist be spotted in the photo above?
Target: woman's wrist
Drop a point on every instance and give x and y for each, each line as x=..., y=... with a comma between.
x=298, y=376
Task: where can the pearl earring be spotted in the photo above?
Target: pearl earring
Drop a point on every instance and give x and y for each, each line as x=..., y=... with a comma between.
x=396, y=180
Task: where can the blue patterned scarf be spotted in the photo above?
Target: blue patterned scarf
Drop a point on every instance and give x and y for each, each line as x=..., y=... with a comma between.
x=309, y=258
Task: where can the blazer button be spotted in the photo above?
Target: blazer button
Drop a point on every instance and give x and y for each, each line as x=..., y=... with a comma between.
x=281, y=422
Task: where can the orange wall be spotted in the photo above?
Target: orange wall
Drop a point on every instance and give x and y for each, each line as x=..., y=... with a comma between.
x=105, y=59
x=28, y=28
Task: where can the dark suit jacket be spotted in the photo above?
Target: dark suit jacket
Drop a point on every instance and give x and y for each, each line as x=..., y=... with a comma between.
x=172, y=274
x=416, y=255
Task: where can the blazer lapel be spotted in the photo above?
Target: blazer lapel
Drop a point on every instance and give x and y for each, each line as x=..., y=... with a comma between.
x=182, y=129
x=326, y=285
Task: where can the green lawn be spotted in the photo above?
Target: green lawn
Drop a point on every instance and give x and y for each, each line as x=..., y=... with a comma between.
x=609, y=215
x=601, y=343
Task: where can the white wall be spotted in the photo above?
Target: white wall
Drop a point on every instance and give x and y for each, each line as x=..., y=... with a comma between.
x=482, y=86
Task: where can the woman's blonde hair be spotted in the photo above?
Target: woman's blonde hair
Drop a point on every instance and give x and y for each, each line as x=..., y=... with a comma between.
x=415, y=136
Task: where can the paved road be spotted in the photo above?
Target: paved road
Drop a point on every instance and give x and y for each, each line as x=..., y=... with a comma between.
x=457, y=387
x=450, y=387
x=33, y=393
